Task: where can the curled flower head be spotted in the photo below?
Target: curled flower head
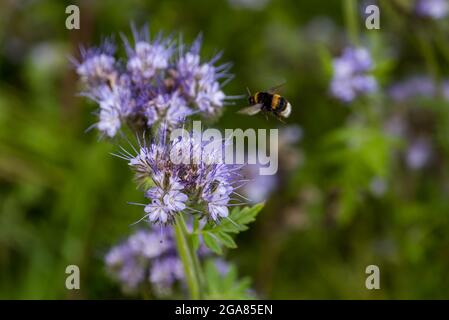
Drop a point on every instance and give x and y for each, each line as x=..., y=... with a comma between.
x=351, y=74
x=166, y=201
x=184, y=174
x=97, y=65
x=147, y=57
x=157, y=83
x=113, y=105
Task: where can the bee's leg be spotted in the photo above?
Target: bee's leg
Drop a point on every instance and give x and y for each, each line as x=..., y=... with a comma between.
x=280, y=119
x=266, y=115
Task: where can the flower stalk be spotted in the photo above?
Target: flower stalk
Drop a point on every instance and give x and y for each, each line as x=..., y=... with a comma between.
x=188, y=257
x=351, y=20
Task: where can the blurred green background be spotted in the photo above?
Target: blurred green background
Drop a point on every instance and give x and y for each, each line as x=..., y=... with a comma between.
x=350, y=202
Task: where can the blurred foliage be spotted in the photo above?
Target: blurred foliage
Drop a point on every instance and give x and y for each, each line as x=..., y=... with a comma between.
x=63, y=198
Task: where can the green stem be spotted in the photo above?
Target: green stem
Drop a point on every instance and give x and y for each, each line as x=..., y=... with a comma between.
x=351, y=20
x=188, y=258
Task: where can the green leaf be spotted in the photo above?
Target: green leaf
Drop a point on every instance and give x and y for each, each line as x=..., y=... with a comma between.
x=239, y=218
x=212, y=242
x=225, y=286
x=227, y=240
x=218, y=235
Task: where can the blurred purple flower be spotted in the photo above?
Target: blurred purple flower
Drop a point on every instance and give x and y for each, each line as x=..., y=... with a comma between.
x=151, y=256
x=259, y=187
x=396, y=126
x=140, y=255
x=378, y=186
x=419, y=153
x=351, y=74
x=164, y=272
x=417, y=86
x=222, y=266
x=446, y=90
x=435, y=9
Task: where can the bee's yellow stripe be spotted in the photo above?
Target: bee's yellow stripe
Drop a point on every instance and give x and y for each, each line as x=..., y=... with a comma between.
x=274, y=101
x=256, y=97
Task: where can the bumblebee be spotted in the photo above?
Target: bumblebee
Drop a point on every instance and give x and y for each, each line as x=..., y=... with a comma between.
x=268, y=102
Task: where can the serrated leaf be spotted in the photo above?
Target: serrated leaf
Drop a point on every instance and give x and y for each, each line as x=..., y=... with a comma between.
x=238, y=219
x=227, y=240
x=225, y=286
x=212, y=242
x=218, y=235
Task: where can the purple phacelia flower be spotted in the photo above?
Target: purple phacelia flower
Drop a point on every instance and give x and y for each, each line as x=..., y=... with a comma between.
x=113, y=104
x=97, y=65
x=147, y=57
x=166, y=200
x=351, y=74
x=217, y=198
x=199, y=81
x=153, y=85
x=434, y=9
x=170, y=107
x=185, y=175
x=150, y=256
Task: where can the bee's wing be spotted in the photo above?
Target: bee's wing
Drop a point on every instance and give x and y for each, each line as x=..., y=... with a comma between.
x=276, y=89
x=251, y=110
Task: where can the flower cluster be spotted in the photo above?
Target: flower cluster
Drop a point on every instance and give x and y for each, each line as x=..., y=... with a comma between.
x=351, y=74
x=434, y=9
x=149, y=256
x=146, y=256
x=184, y=174
x=157, y=83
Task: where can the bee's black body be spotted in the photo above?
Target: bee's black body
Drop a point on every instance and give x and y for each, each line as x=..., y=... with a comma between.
x=270, y=102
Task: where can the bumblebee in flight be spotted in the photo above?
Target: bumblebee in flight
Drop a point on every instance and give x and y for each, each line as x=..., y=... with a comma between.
x=268, y=102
